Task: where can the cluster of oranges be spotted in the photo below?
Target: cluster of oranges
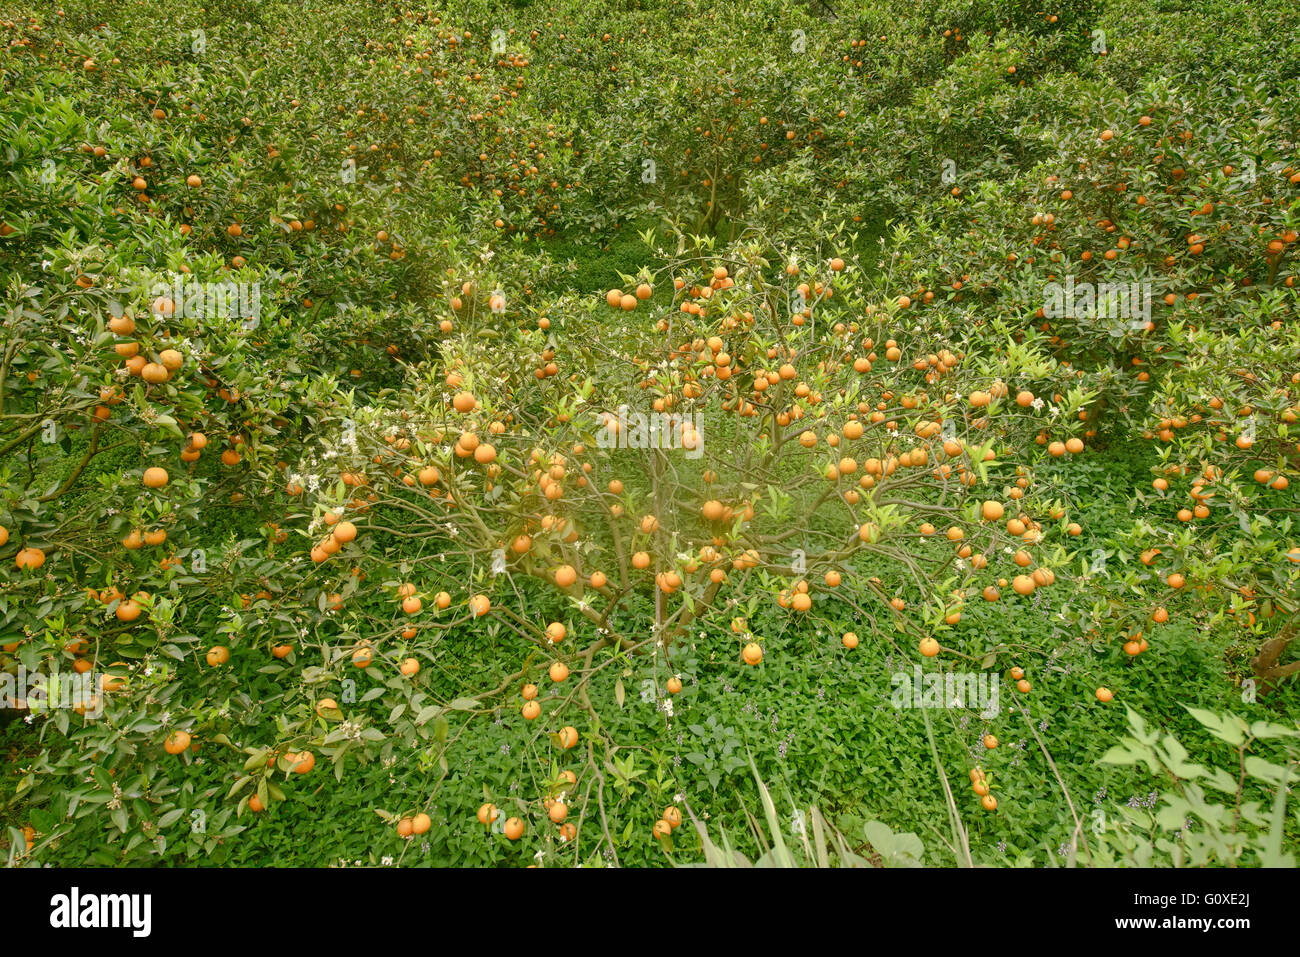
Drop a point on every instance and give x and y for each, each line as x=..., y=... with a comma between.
x=414, y=826
x=669, y=821
x=981, y=785
x=554, y=805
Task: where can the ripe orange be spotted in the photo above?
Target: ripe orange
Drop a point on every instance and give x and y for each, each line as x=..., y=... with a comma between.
x=752, y=654
x=177, y=742
x=558, y=671
x=302, y=763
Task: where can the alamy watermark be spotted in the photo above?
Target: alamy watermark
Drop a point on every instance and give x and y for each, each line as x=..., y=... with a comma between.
x=658, y=430
x=38, y=693
x=1129, y=301
x=209, y=300
x=951, y=689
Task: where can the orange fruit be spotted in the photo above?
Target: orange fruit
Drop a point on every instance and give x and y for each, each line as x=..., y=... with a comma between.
x=302, y=763
x=128, y=610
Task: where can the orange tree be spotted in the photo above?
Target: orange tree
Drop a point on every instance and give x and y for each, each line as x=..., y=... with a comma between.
x=1193, y=223
x=729, y=430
